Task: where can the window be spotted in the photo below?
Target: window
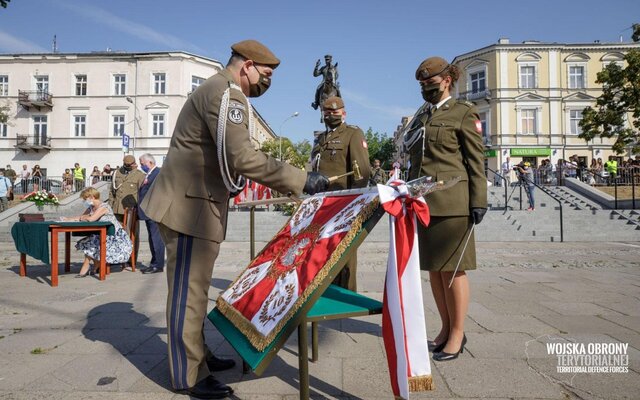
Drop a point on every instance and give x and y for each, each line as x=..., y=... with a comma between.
x=483, y=123
x=527, y=76
x=576, y=77
x=120, y=84
x=195, y=82
x=575, y=116
x=39, y=130
x=81, y=85
x=4, y=85
x=477, y=82
x=42, y=87
x=79, y=125
x=158, y=124
x=3, y=130
x=159, y=83
x=528, y=120
x=118, y=125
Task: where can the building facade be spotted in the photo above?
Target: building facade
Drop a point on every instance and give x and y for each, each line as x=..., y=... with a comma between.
x=68, y=108
x=530, y=98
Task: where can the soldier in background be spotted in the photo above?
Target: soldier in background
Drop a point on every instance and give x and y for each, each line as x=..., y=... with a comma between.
x=377, y=174
x=334, y=153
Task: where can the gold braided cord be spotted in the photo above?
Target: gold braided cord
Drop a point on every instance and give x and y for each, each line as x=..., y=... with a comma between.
x=259, y=341
x=421, y=383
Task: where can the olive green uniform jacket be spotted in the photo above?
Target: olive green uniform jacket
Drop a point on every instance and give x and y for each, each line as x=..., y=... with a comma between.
x=124, y=190
x=333, y=154
x=451, y=147
x=189, y=195
x=337, y=150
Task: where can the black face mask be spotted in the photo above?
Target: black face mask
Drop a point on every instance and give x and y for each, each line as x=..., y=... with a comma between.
x=432, y=93
x=332, y=121
x=258, y=89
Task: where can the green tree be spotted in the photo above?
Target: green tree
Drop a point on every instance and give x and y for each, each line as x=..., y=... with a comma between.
x=618, y=103
x=295, y=154
x=4, y=3
x=380, y=147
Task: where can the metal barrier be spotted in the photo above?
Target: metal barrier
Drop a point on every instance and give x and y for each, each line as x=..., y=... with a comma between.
x=505, y=183
x=54, y=184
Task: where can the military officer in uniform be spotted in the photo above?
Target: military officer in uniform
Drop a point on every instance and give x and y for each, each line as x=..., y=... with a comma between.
x=125, y=184
x=444, y=141
x=209, y=154
x=334, y=153
x=377, y=174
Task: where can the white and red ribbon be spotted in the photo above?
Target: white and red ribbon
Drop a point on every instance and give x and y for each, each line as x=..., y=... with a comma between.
x=403, y=325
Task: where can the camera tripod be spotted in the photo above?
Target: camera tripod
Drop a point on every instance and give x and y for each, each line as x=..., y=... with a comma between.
x=520, y=184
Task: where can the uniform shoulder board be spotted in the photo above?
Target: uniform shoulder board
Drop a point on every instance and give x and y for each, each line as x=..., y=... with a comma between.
x=466, y=103
x=353, y=126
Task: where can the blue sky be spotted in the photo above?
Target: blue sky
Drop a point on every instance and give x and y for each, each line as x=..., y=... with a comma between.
x=378, y=44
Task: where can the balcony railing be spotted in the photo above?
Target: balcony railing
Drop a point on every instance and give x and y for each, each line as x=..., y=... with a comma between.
x=37, y=99
x=476, y=95
x=34, y=142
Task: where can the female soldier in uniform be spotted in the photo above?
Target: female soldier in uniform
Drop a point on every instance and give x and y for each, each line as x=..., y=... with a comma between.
x=445, y=142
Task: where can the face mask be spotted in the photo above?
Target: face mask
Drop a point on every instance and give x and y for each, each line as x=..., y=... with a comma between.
x=88, y=203
x=127, y=167
x=332, y=121
x=258, y=89
x=145, y=169
x=432, y=93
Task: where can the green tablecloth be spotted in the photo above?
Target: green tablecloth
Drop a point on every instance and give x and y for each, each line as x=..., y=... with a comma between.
x=32, y=238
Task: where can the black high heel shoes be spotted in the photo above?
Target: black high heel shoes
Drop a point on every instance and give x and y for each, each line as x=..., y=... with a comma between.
x=443, y=356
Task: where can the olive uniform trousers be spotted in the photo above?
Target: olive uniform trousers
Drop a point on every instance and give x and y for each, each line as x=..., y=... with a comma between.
x=189, y=269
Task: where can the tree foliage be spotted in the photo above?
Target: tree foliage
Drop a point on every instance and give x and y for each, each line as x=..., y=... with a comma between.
x=617, y=110
x=380, y=147
x=4, y=3
x=296, y=154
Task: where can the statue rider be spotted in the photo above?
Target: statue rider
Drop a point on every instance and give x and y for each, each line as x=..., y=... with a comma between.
x=329, y=74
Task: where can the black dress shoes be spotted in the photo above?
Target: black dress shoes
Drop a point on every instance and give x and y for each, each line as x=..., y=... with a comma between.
x=208, y=388
x=220, y=364
x=152, y=270
x=435, y=348
x=444, y=356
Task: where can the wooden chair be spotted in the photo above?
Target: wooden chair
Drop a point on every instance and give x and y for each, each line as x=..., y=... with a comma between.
x=130, y=224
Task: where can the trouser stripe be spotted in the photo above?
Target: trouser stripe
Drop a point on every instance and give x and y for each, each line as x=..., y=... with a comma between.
x=179, y=306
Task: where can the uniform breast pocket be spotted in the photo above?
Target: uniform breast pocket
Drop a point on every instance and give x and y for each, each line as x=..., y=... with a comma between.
x=442, y=133
x=333, y=151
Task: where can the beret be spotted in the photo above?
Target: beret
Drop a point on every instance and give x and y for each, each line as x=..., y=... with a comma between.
x=333, y=103
x=431, y=67
x=129, y=159
x=257, y=52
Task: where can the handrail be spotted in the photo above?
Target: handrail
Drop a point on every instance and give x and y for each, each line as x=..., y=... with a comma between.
x=505, y=186
x=544, y=190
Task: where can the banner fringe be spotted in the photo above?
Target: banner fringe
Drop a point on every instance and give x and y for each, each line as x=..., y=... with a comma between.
x=421, y=383
x=257, y=339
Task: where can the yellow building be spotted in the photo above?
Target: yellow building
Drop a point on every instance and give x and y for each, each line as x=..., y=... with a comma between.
x=530, y=97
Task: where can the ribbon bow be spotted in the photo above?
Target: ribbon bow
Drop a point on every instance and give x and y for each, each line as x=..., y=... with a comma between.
x=395, y=198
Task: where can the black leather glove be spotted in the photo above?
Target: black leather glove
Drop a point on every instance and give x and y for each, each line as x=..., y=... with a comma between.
x=243, y=183
x=478, y=213
x=316, y=182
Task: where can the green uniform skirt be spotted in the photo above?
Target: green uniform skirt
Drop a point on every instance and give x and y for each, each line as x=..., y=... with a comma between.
x=441, y=244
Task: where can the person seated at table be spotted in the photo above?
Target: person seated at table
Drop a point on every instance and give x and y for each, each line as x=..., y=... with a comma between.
x=119, y=245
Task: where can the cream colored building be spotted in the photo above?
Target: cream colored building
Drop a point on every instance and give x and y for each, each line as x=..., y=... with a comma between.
x=530, y=97
x=67, y=108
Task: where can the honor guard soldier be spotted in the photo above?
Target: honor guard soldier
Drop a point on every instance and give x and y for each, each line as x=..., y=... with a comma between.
x=209, y=154
x=444, y=141
x=335, y=152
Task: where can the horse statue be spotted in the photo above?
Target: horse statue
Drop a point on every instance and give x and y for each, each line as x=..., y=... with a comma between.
x=329, y=85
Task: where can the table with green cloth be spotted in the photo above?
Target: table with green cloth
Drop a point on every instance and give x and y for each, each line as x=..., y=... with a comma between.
x=32, y=238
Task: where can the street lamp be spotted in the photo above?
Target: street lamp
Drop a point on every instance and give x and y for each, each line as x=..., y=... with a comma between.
x=295, y=114
x=136, y=125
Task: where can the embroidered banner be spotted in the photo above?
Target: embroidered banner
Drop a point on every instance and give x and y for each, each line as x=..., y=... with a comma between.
x=294, y=263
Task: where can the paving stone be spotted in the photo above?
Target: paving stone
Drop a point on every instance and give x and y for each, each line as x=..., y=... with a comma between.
x=468, y=377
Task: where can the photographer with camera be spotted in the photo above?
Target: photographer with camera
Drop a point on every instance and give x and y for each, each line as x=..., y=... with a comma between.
x=525, y=178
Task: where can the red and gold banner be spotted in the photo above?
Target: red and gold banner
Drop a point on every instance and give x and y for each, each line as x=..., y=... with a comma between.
x=294, y=263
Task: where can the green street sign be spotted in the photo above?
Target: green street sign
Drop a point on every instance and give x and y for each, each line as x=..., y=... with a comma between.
x=531, y=152
x=490, y=153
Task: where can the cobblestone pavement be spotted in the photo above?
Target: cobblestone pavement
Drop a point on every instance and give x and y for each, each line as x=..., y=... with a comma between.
x=88, y=339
